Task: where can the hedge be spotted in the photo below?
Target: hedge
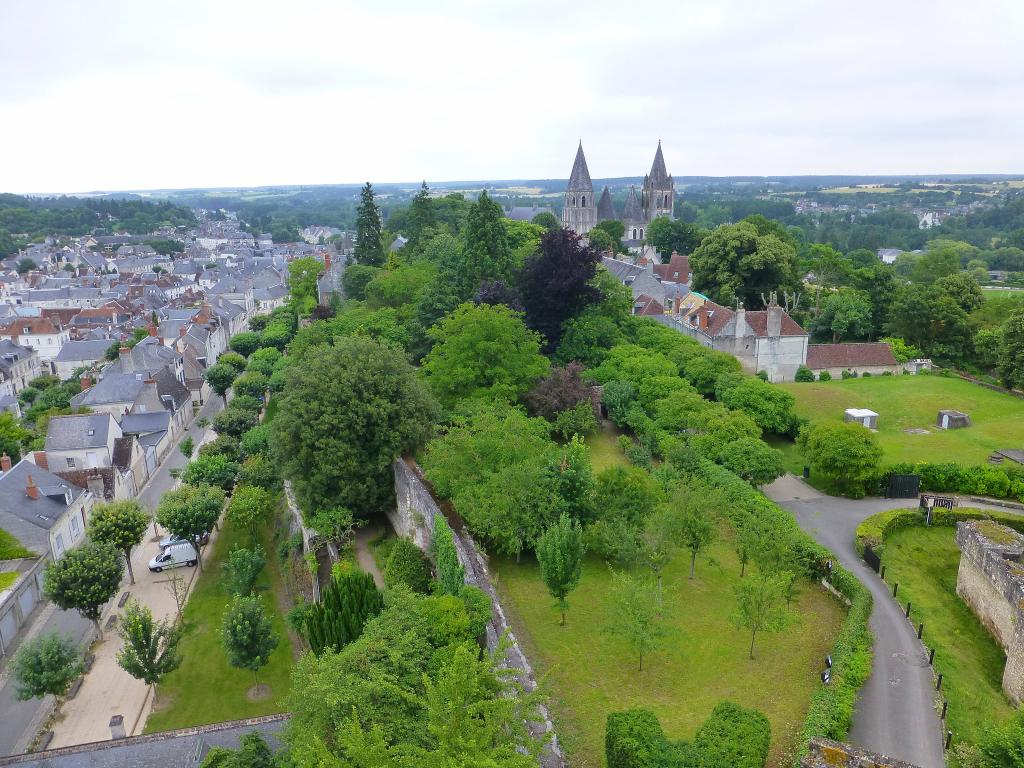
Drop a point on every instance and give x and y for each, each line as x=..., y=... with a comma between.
x=972, y=479
x=733, y=736
x=877, y=528
x=831, y=708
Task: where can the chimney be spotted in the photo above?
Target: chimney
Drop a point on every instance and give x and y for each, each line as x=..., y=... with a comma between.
x=123, y=351
x=152, y=329
x=774, y=318
x=40, y=460
x=31, y=489
x=741, y=321
x=182, y=331
x=85, y=381
x=327, y=261
x=5, y=463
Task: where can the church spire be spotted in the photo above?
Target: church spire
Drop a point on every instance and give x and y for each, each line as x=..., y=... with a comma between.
x=579, y=212
x=605, y=206
x=579, y=179
x=659, y=173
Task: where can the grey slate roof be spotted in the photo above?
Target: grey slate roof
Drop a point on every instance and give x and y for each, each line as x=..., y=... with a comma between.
x=83, y=351
x=41, y=513
x=632, y=212
x=69, y=433
x=659, y=173
x=579, y=179
x=605, y=206
x=144, y=423
x=112, y=388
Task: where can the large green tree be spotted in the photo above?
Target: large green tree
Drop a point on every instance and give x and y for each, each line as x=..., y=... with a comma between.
x=488, y=253
x=735, y=262
x=560, y=555
x=45, y=665
x=845, y=314
x=220, y=377
x=150, y=647
x=190, y=511
x=668, y=235
x=302, y=277
x=121, y=523
x=85, y=578
x=369, y=250
x=483, y=351
x=1011, y=354
x=847, y=452
x=932, y=320
x=346, y=413
x=247, y=634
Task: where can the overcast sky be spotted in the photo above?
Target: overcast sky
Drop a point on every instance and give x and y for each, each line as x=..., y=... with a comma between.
x=190, y=93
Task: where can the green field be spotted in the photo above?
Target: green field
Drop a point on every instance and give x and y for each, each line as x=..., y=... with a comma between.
x=604, y=448
x=913, y=402
x=11, y=548
x=1003, y=293
x=205, y=688
x=704, y=659
x=7, y=578
x=924, y=561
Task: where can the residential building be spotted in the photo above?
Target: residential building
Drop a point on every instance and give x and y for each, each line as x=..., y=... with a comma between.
x=75, y=355
x=18, y=366
x=875, y=358
x=38, y=333
x=91, y=451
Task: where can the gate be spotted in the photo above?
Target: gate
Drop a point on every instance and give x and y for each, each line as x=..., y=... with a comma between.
x=903, y=486
x=871, y=558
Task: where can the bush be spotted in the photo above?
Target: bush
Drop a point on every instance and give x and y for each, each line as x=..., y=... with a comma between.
x=450, y=572
x=578, y=420
x=617, y=397
x=866, y=375
x=346, y=604
x=824, y=376
x=221, y=445
x=1005, y=482
x=733, y=736
x=848, y=374
x=635, y=739
x=804, y=374
x=407, y=565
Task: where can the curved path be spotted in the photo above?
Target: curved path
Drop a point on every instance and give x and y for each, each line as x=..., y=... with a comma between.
x=895, y=714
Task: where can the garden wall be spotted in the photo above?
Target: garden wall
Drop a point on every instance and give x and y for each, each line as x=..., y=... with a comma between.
x=415, y=516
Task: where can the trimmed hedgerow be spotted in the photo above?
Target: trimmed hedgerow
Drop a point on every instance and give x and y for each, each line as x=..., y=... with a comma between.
x=950, y=477
x=877, y=528
x=735, y=736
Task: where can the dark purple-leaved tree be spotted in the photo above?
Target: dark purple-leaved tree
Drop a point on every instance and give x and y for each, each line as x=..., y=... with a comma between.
x=557, y=283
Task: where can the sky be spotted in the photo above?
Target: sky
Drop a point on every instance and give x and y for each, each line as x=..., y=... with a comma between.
x=111, y=95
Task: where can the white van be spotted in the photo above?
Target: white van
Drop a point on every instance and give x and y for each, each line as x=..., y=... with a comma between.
x=179, y=553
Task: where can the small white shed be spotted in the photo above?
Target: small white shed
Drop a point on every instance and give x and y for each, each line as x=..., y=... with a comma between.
x=862, y=416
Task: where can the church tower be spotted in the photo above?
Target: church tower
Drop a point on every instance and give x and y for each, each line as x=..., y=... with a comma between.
x=633, y=218
x=659, y=190
x=605, y=206
x=579, y=213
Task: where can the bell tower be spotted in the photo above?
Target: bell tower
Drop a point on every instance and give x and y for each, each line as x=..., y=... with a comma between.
x=579, y=212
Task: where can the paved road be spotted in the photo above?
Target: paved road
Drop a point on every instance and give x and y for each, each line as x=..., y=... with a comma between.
x=895, y=714
x=21, y=720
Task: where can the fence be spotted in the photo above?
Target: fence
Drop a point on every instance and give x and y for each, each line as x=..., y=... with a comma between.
x=18, y=603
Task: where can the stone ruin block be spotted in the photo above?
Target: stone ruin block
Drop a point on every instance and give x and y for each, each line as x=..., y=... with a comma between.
x=952, y=420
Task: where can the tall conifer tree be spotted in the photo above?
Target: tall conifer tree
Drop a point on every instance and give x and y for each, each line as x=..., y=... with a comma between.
x=369, y=249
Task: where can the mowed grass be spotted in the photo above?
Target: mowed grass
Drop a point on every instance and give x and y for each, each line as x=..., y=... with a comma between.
x=205, y=688
x=7, y=579
x=1003, y=293
x=604, y=448
x=913, y=402
x=924, y=561
x=11, y=548
x=704, y=660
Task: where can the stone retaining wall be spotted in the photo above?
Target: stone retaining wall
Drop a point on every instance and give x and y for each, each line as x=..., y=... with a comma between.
x=415, y=516
x=825, y=753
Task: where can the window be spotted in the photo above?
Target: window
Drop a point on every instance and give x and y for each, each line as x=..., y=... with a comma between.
x=58, y=545
x=71, y=463
x=574, y=201
x=583, y=201
x=633, y=233
x=76, y=526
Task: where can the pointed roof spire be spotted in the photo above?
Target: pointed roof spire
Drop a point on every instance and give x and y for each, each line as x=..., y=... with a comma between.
x=659, y=173
x=579, y=179
x=632, y=211
x=605, y=207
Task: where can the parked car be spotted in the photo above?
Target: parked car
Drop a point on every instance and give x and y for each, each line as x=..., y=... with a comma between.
x=166, y=541
x=177, y=554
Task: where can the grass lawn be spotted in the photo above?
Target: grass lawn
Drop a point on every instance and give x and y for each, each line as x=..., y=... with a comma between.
x=7, y=578
x=10, y=547
x=205, y=688
x=703, y=661
x=913, y=402
x=925, y=561
x=604, y=448
x=1002, y=293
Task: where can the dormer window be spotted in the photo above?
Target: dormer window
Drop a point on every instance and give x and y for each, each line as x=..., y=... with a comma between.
x=26, y=329
x=71, y=463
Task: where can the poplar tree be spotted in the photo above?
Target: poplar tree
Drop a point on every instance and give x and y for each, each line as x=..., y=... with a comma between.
x=369, y=250
x=560, y=554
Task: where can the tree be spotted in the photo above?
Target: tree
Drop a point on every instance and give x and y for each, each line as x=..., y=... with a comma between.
x=844, y=314
x=578, y=420
x=250, y=505
x=753, y=460
x=186, y=447
x=635, y=615
x=1011, y=356
x=252, y=752
x=848, y=452
x=12, y=435
x=244, y=344
x=421, y=215
x=369, y=250
x=561, y=389
x=247, y=634
x=560, y=555
x=357, y=280
x=407, y=565
x=450, y=572
x=673, y=235
x=190, y=511
x=252, y=384
x=737, y=263
x=302, y=276
x=345, y=416
x=212, y=469
x=760, y=604
x=770, y=406
x=220, y=378
x=483, y=351
x=242, y=568
x=696, y=508
x=150, y=647
x=26, y=265
x=547, y=220
x=963, y=289
x=558, y=283
x=346, y=604
x=929, y=318
x=488, y=253
x=122, y=524
x=85, y=578
x=45, y=665
x=234, y=422
x=660, y=541
x=334, y=524
x=939, y=260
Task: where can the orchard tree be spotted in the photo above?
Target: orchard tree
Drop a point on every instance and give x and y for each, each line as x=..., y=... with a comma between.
x=190, y=511
x=220, y=377
x=45, y=665
x=660, y=542
x=247, y=634
x=560, y=555
x=761, y=604
x=558, y=283
x=150, y=647
x=847, y=452
x=696, y=511
x=85, y=578
x=753, y=460
x=345, y=415
x=736, y=262
x=121, y=523
x=635, y=617
x=250, y=505
x=484, y=352
x=369, y=250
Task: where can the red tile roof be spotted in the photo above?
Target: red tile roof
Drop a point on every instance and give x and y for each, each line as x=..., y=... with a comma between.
x=758, y=322
x=821, y=356
x=647, y=305
x=676, y=271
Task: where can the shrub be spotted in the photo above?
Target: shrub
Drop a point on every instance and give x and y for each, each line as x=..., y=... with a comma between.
x=617, y=397
x=866, y=375
x=887, y=373
x=578, y=420
x=242, y=568
x=804, y=374
x=734, y=736
x=407, y=565
x=635, y=739
x=848, y=374
x=560, y=390
x=346, y=604
x=478, y=607
x=450, y=572
x=824, y=376
x=222, y=445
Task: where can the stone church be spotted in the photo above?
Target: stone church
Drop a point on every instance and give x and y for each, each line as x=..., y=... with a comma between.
x=582, y=211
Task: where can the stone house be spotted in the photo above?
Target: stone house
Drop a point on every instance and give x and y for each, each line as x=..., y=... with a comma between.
x=38, y=333
x=90, y=450
x=18, y=366
x=75, y=355
x=874, y=357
